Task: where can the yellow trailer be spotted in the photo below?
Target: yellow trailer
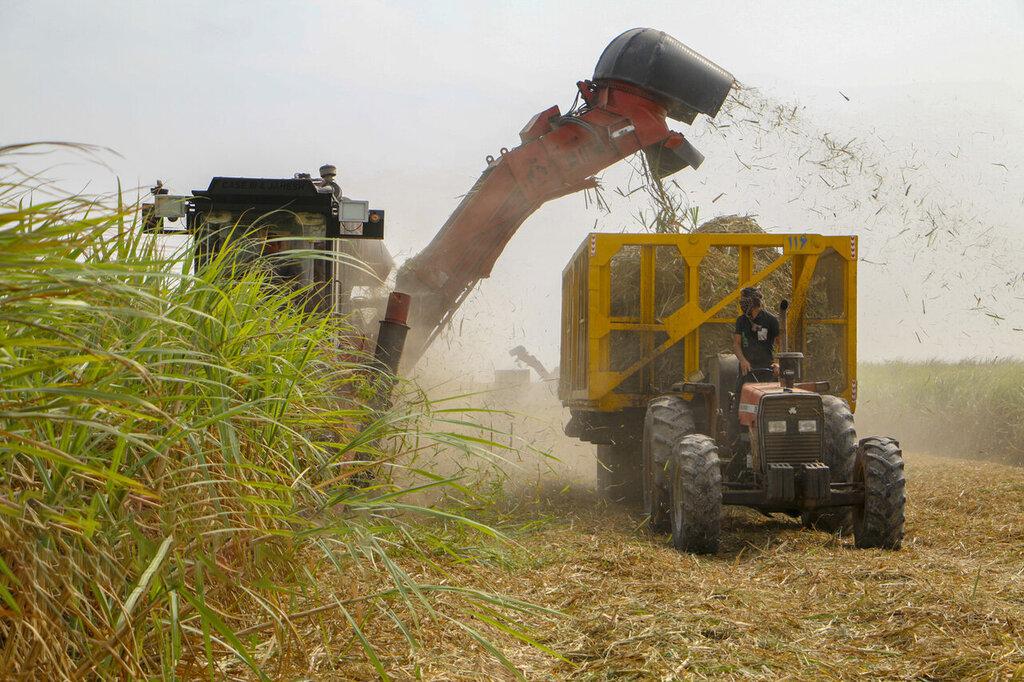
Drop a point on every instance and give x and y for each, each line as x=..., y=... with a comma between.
x=640, y=312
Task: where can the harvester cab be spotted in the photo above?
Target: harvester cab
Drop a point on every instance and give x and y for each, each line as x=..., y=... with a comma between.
x=307, y=234
x=646, y=371
x=280, y=217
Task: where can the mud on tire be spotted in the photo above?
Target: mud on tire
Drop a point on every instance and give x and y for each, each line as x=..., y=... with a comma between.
x=696, y=495
x=879, y=467
x=840, y=445
x=668, y=419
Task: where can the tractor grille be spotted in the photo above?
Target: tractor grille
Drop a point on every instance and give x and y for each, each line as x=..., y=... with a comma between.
x=791, y=447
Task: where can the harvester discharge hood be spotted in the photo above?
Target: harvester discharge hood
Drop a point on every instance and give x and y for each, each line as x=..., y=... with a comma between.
x=688, y=83
x=683, y=81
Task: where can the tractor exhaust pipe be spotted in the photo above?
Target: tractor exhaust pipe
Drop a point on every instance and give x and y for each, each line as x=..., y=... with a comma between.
x=784, y=326
x=791, y=365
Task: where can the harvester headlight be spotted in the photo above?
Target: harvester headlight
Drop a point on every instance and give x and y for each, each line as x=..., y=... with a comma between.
x=776, y=427
x=807, y=426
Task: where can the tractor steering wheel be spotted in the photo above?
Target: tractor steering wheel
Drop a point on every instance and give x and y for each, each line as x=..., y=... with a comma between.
x=757, y=372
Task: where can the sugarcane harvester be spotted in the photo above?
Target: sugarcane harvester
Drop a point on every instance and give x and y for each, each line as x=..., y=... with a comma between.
x=643, y=77
x=530, y=360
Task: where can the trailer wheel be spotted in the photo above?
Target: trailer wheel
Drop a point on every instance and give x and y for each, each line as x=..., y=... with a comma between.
x=618, y=472
x=668, y=419
x=879, y=467
x=696, y=504
x=840, y=441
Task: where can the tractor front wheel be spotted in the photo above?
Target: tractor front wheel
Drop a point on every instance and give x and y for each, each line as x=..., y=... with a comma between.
x=696, y=489
x=879, y=468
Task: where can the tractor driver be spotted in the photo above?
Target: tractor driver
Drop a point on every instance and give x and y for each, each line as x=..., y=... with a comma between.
x=753, y=341
x=756, y=333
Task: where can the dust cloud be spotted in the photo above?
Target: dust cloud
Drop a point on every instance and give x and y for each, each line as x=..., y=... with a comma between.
x=524, y=420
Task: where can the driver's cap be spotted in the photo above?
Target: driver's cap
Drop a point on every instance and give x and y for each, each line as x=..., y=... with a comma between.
x=749, y=297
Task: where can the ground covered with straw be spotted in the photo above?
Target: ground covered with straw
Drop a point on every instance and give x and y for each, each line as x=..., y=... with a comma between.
x=777, y=600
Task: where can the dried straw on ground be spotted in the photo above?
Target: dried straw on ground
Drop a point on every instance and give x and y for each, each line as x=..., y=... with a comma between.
x=776, y=601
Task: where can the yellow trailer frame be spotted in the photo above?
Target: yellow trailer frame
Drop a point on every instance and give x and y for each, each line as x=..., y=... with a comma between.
x=595, y=378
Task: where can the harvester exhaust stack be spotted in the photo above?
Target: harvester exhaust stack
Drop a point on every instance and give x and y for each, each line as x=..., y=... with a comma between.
x=390, y=344
x=393, y=330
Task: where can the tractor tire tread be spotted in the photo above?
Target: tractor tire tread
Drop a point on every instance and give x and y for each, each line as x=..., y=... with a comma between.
x=881, y=521
x=668, y=419
x=696, y=495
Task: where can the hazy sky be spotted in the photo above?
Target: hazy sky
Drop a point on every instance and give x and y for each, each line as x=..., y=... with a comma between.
x=408, y=97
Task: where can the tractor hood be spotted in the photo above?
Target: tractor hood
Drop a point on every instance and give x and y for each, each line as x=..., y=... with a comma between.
x=750, y=398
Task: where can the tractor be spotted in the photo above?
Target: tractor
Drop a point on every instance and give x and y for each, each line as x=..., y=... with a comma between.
x=647, y=376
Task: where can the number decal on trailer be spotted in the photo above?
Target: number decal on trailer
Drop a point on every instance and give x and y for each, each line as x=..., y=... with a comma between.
x=797, y=242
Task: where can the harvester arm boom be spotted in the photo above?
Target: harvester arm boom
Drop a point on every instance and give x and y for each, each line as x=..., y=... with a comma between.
x=624, y=111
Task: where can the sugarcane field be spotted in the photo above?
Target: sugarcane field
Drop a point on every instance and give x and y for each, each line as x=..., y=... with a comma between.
x=378, y=340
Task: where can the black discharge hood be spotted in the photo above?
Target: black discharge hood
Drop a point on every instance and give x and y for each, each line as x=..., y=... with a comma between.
x=655, y=61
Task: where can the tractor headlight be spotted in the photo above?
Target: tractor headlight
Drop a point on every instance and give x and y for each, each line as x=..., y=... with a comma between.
x=807, y=426
x=776, y=427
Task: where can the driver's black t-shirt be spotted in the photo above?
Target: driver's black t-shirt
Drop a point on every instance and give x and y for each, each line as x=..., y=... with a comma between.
x=757, y=338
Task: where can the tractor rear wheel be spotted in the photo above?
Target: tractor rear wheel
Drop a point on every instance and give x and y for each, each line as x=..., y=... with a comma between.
x=668, y=419
x=696, y=504
x=879, y=468
x=840, y=450
x=618, y=472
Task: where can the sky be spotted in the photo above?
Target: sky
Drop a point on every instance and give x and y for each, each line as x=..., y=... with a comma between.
x=407, y=98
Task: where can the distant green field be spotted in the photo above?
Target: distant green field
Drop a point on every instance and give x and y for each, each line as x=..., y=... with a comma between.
x=966, y=409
